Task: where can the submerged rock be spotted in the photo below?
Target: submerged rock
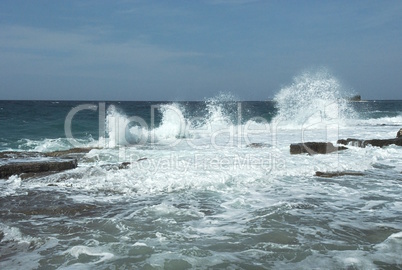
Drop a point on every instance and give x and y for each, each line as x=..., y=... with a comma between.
x=313, y=148
x=32, y=167
x=258, y=145
x=335, y=174
x=57, y=210
x=70, y=153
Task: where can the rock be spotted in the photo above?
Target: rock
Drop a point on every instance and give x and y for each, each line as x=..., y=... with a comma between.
x=19, y=155
x=258, y=145
x=352, y=142
x=32, y=167
x=37, y=164
x=312, y=148
x=399, y=133
x=335, y=174
x=355, y=98
x=374, y=142
x=70, y=153
x=124, y=165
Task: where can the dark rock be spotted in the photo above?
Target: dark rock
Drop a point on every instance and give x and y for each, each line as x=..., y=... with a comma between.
x=312, y=148
x=352, y=142
x=19, y=155
x=374, y=142
x=258, y=145
x=386, y=142
x=355, y=98
x=335, y=174
x=73, y=152
x=124, y=165
x=399, y=133
x=36, y=166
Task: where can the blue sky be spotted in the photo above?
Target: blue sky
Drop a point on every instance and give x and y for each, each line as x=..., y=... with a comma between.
x=192, y=50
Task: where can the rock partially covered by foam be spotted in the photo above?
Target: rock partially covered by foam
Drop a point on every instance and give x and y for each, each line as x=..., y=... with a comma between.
x=375, y=142
x=313, y=148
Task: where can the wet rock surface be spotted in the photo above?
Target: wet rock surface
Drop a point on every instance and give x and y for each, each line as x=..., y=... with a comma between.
x=336, y=174
x=313, y=148
x=33, y=167
x=374, y=142
x=37, y=164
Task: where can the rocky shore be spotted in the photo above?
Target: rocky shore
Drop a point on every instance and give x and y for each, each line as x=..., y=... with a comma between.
x=313, y=148
x=36, y=164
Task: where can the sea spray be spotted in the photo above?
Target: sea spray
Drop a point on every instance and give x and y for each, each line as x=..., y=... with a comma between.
x=123, y=130
x=313, y=99
x=221, y=111
x=173, y=125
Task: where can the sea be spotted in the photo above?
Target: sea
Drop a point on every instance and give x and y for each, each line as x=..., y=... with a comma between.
x=207, y=184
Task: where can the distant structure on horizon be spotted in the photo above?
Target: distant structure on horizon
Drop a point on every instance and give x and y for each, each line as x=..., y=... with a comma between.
x=355, y=98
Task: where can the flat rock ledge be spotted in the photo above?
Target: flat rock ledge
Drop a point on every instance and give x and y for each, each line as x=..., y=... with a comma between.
x=313, y=148
x=31, y=168
x=34, y=164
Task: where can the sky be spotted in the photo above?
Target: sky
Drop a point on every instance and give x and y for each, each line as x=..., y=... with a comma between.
x=193, y=50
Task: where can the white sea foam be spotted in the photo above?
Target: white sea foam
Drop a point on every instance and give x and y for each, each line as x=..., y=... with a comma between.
x=76, y=251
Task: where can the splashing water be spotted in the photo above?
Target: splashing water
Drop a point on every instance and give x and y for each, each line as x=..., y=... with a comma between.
x=220, y=111
x=312, y=99
x=123, y=130
x=174, y=125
